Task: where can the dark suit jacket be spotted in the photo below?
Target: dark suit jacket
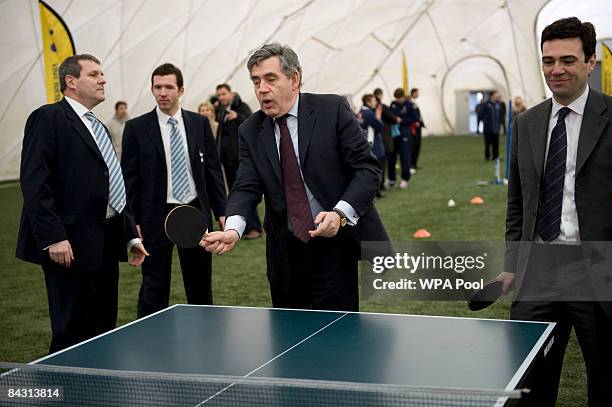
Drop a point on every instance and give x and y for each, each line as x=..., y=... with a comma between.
x=491, y=117
x=336, y=164
x=593, y=189
x=143, y=161
x=64, y=181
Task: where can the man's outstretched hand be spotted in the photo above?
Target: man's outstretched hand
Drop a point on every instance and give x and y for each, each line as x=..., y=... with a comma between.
x=220, y=242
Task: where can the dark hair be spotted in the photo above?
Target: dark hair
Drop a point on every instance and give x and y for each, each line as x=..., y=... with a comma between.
x=378, y=92
x=366, y=97
x=289, y=60
x=119, y=103
x=413, y=91
x=168, y=69
x=224, y=85
x=399, y=93
x=572, y=27
x=71, y=67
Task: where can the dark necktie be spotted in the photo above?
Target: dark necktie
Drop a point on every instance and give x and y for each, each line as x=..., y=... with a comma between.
x=298, y=207
x=548, y=224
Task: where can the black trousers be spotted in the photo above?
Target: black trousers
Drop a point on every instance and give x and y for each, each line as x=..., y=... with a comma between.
x=322, y=275
x=491, y=142
x=83, y=303
x=416, y=146
x=553, y=277
x=154, y=292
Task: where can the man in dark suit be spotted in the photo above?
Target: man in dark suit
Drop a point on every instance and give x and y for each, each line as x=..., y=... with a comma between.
x=74, y=221
x=310, y=159
x=169, y=159
x=490, y=114
x=559, y=200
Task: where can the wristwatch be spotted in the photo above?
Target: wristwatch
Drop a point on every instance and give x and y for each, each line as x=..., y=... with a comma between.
x=343, y=218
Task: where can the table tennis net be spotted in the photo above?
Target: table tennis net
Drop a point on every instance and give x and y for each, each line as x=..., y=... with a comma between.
x=96, y=387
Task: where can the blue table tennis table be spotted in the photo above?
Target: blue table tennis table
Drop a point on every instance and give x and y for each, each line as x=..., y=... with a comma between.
x=364, y=350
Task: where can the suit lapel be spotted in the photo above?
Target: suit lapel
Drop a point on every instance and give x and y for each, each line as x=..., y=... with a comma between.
x=593, y=124
x=192, y=128
x=266, y=135
x=154, y=133
x=79, y=127
x=538, y=128
x=306, y=122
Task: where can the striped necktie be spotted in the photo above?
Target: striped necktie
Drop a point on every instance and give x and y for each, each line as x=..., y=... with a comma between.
x=116, y=187
x=178, y=163
x=548, y=224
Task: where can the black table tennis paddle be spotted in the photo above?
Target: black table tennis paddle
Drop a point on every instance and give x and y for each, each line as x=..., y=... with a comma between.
x=487, y=295
x=185, y=226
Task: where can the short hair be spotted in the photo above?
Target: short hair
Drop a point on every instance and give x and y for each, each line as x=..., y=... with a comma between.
x=71, y=67
x=399, y=93
x=378, y=92
x=222, y=86
x=572, y=27
x=168, y=69
x=288, y=58
x=119, y=103
x=366, y=97
x=492, y=93
x=413, y=91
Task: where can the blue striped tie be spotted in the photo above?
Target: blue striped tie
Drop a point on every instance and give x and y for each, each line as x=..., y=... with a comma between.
x=116, y=187
x=548, y=224
x=178, y=163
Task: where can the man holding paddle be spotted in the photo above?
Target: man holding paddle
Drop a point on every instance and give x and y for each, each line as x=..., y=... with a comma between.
x=309, y=158
x=560, y=200
x=169, y=159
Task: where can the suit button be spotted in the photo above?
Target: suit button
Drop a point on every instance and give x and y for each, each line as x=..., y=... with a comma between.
x=106, y=173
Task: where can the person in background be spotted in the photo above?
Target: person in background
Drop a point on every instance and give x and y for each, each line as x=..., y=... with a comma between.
x=417, y=130
x=370, y=119
x=116, y=124
x=491, y=116
x=518, y=106
x=404, y=109
x=208, y=110
x=388, y=119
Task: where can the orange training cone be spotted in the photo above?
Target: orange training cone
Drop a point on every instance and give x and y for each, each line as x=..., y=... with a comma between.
x=477, y=200
x=421, y=234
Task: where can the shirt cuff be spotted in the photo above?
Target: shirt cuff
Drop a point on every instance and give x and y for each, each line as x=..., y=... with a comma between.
x=347, y=209
x=237, y=223
x=133, y=243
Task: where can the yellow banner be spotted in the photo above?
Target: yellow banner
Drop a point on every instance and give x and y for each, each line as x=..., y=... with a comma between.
x=606, y=70
x=57, y=46
x=404, y=74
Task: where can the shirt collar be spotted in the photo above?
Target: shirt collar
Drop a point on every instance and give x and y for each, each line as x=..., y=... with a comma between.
x=294, y=109
x=78, y=108
x=577, y=106
x=163, y=117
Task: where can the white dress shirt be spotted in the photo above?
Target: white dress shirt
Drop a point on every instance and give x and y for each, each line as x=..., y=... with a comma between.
x=238, y=222
x=573, y=122
x=80, y=110
x=165, y=128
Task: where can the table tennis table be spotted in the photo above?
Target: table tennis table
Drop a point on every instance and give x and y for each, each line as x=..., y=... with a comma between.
x=360, y=350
